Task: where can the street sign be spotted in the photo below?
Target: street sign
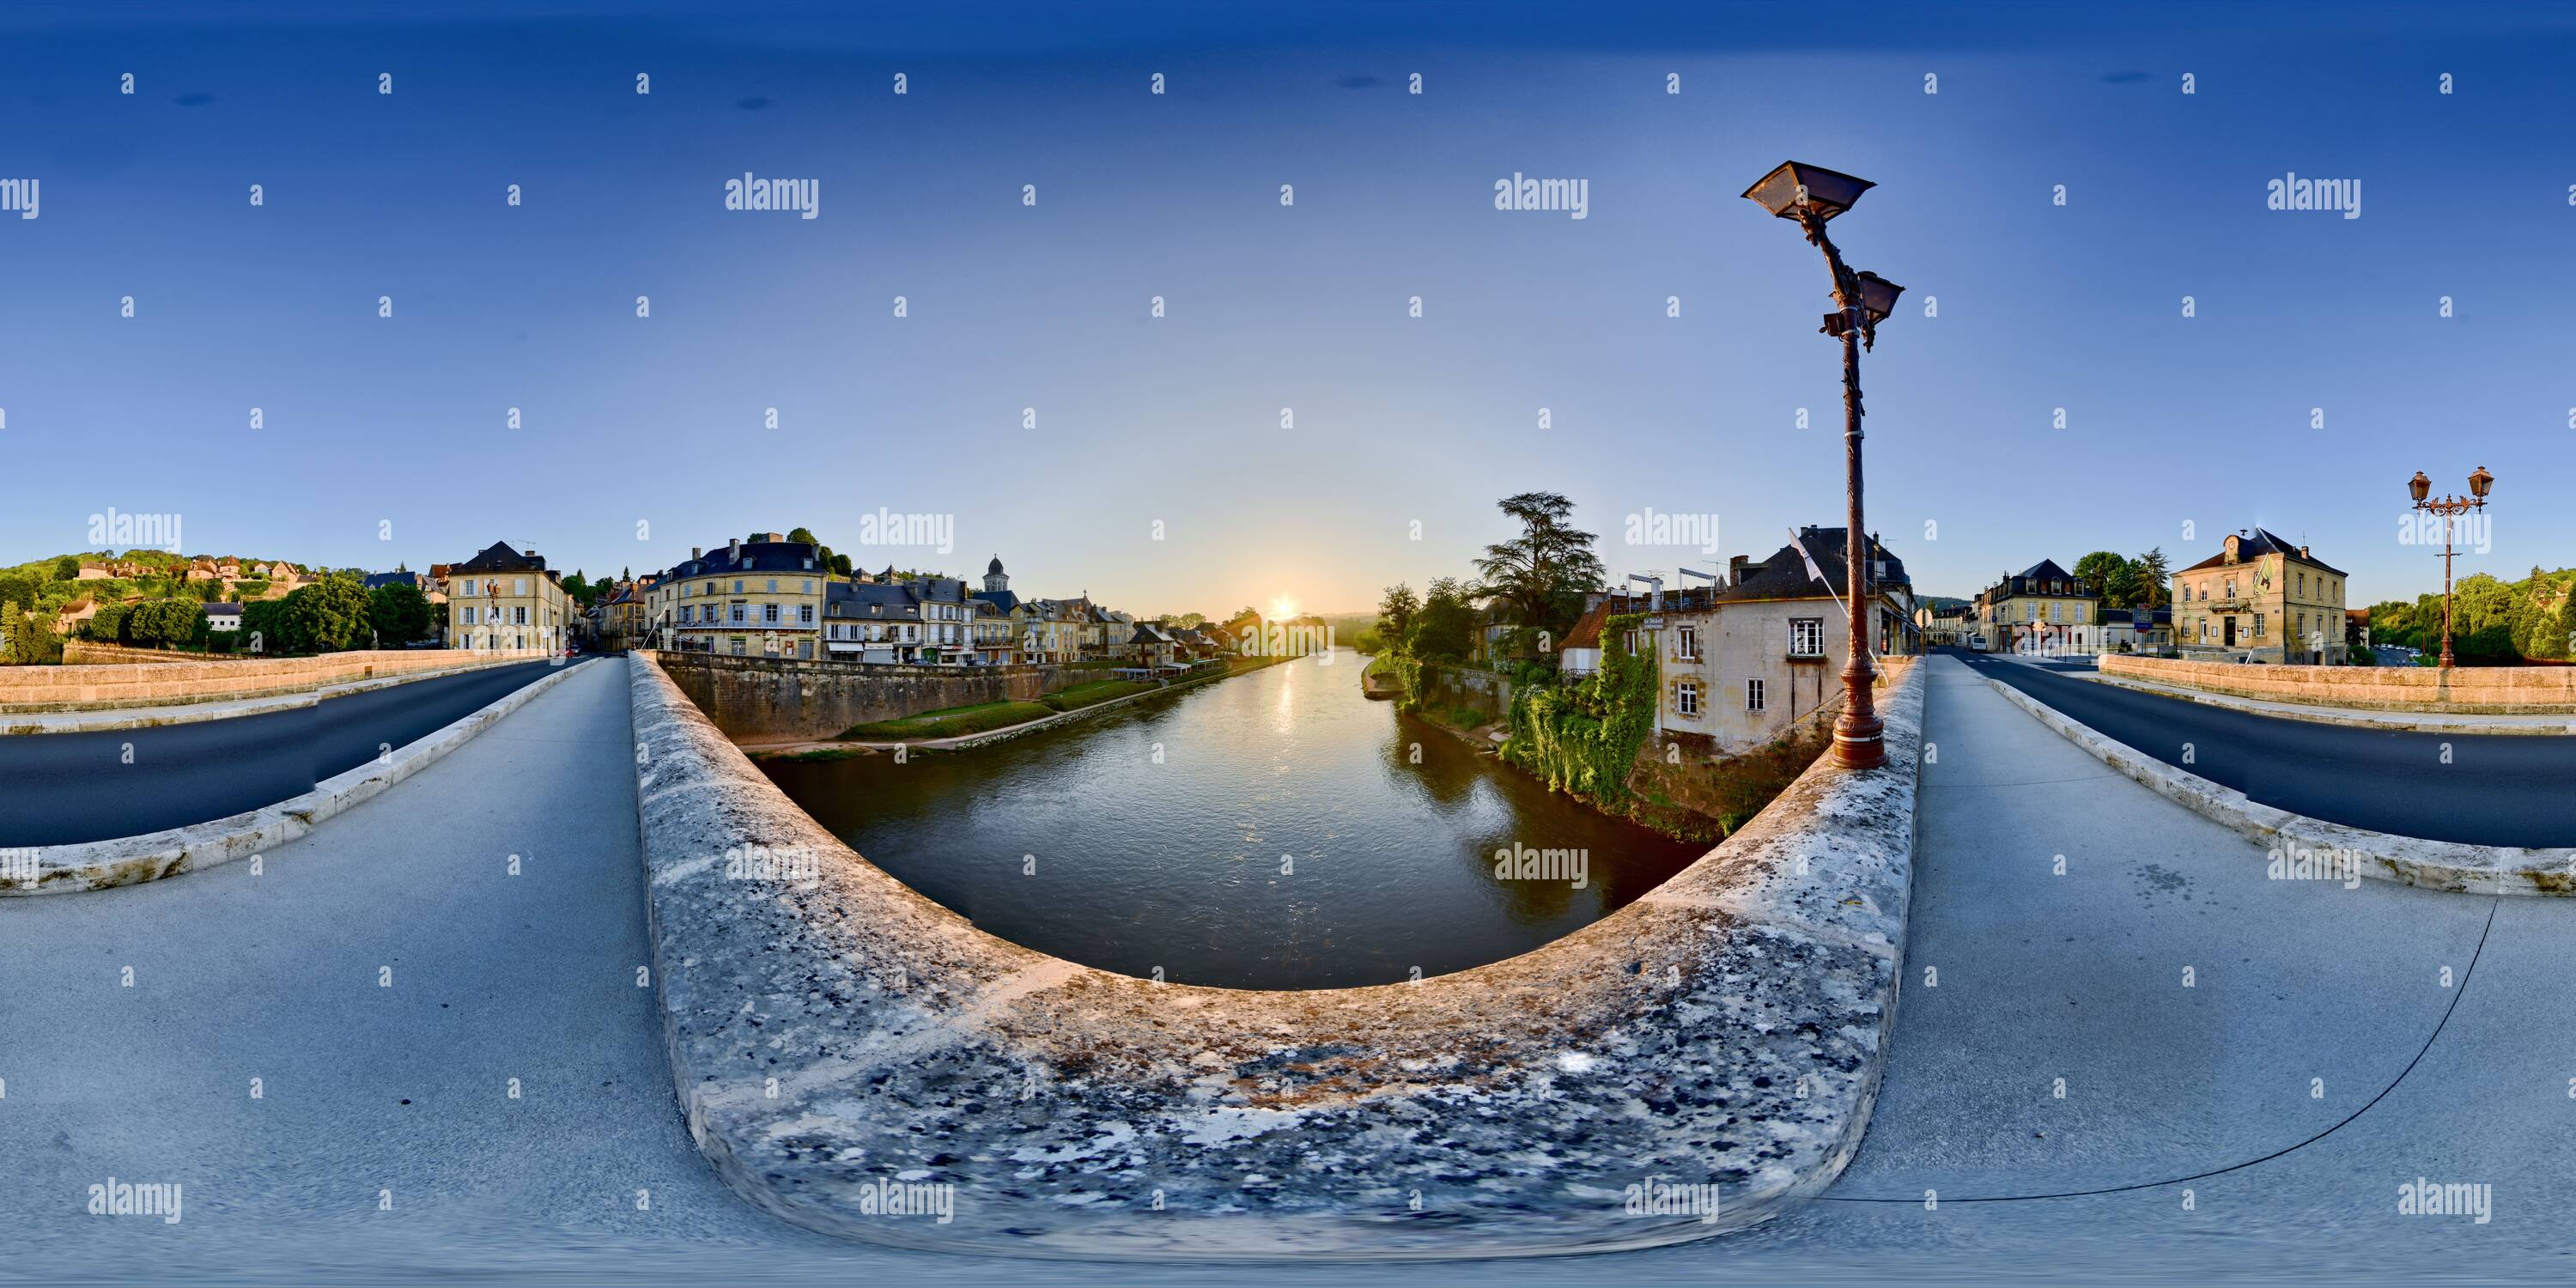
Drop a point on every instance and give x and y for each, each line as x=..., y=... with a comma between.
x=1651, y=624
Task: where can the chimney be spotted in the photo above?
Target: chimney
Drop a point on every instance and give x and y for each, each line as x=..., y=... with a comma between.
x=2303, y=552
x=696, y=553
x=773, y=536
x=734, y=552
x=1735, y=569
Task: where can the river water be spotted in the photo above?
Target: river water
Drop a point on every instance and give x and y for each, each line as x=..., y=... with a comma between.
x=1273, y=830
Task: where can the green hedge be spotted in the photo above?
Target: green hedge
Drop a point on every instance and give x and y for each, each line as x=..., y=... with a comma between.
x=1583, y=738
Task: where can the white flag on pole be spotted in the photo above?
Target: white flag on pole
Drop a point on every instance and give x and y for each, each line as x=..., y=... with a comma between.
x=1812, y=570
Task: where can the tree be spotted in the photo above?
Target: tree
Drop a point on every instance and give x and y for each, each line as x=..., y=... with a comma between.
x=67, y=568
x=2110, y=577
x=107, y=625
x=160, y=623
x=31, y=640
x=1544, y=572
x=266, y=628
x=399, y=613
x=1445, y=627
x=2153, y=574
x=328, y=616
x=1395, y=614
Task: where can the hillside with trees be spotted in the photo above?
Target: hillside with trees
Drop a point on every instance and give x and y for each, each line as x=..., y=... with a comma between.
x=2493, y=622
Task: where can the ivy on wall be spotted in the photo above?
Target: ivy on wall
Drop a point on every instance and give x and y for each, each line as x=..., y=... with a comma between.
x=1583, y=738
x=1408, y=673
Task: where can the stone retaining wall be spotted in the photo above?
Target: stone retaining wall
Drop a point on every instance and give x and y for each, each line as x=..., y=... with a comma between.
x=173, y=679
x=835, y=1038
x=767, y=697
x=2493, y=690
x=1483, y=692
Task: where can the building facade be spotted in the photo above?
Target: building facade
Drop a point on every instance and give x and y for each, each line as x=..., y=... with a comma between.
x=2041, y=609
x=759, y=596
x=1740, y=662
x=507, y=599
x=2260, y=599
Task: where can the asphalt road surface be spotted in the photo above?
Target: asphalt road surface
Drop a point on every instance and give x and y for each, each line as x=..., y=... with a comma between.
x=65, y=788
x=2483, y=789
x=388, y=978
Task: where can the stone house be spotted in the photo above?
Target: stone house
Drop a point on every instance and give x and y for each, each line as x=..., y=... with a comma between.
x=2260, y=599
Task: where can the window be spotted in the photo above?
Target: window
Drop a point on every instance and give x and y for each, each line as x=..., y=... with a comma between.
x=773, y=585
x=519, y=586
x=519, y=615
x=809, y=585
x=737, y=585
x=468, y=619
x=769, y=613
x=1686, y=698
x=1806, y=639
x=2258, y=626
x=1752, y=695
x=1686, y=647
x=804, y=614
x=738, y=614
x=469, y=585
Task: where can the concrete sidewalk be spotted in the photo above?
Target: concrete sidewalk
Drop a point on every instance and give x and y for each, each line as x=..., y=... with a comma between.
x=2355, y=717
x=2082, y=976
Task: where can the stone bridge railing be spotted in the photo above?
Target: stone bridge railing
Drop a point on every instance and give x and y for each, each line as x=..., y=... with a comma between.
x=847, y=1051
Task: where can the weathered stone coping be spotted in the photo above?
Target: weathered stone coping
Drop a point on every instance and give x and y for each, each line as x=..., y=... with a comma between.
x=2523, y=725
x=98, y=865
x=109, y=719
x=2415, y=861
x=173, y=679
x=833, y=1036
x=2491, y=690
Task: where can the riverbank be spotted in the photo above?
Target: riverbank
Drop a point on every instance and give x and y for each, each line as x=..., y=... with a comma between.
x=1685, y=795
x=959, y=729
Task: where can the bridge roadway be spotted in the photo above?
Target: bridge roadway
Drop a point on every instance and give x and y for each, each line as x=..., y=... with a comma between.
x=2256, y=1117
x=70, y=787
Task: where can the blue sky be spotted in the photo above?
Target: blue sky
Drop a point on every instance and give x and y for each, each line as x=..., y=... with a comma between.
x=400, y=421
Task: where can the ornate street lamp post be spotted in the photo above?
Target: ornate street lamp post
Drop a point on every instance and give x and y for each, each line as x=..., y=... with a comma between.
x=2450, y=508
x=1810, y=196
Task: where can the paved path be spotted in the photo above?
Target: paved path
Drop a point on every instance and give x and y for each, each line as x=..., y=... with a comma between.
x=2479, y=789
x=71, y=787
x=2041, y=976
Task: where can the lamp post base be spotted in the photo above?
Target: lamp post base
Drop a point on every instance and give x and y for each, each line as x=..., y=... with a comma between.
x=1859, y=744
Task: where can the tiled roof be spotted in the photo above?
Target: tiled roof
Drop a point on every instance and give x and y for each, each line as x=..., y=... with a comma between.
x=499, y=557
x=2261, y=542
